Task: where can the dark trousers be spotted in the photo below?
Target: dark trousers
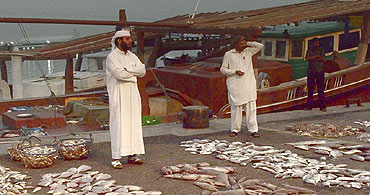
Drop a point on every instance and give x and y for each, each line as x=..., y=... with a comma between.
x=318, y=78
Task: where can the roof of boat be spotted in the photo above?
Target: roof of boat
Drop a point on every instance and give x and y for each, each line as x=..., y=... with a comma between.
x=305, y=29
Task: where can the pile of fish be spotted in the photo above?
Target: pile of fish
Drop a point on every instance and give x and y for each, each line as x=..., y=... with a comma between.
x=324, y=130
x=365, y=137
x=363, y=123
x=38, y=156
x=49, y=107
x=81, y=180
x=280, y=162
x=215, y=180
x=72, y=149
x=13, y=182
x=335, y=149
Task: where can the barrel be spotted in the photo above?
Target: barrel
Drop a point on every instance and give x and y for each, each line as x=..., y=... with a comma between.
x=195, y=117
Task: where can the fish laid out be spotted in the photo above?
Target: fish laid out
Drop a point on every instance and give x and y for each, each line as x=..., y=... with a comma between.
x=216, y=180
x=324, y=130
x=282, y=163
x=365, y=137
x=82, y=180
x=13, y=182
x=363, y=123
x=335, y=149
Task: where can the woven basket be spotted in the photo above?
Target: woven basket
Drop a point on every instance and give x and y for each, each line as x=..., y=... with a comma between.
x=38, y=156
x=13, y=151
x=75, y=148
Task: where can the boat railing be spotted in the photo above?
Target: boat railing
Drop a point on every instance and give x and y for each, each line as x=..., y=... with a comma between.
x=293, y=93
x=298, y=88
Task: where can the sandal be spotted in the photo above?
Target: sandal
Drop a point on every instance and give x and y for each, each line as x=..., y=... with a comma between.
x=233, y=134
x=117, y=164
x=134, y=160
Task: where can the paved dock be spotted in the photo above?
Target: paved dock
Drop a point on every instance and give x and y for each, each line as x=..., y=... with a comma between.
x=162, y=144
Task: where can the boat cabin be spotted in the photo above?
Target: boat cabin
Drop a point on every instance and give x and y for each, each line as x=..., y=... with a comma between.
x=289, y=43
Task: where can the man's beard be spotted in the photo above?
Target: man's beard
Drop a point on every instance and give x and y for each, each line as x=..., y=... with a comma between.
x=125, y=46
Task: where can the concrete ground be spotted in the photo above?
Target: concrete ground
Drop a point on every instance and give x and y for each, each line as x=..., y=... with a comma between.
x=162, y=145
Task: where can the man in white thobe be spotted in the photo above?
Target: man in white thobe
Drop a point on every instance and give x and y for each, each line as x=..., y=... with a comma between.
x=241, y=84
x=123, y=67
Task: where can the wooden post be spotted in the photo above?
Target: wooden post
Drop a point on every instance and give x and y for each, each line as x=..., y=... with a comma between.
x=363, y=45
x=155, y=54
x=4, y=71
x=69, y=88
x=122, y=16
x=140, y=45
x=78, y=62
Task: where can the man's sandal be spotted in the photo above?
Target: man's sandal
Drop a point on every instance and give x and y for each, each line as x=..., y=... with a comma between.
x=117, y=164
x=134, y=160
x=233, y=134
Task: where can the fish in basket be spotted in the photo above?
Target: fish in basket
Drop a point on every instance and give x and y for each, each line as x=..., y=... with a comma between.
x=39, y=156
x=75, y=148
x=13, y=151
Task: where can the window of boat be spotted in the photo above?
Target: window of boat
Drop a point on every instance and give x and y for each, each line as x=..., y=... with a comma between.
x=268, y=48
x=349, y=40
x=280, y=49
x=325, y=42
x=297, y=48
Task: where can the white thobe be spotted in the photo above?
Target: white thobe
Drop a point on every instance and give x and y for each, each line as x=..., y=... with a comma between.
x=242, y=90
x=124, y=103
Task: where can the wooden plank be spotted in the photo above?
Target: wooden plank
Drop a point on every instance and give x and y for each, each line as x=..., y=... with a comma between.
x=288, y=14
x=249, y=13
x=308, y=14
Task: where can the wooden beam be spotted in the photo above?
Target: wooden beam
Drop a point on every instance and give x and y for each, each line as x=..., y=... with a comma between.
x=69, y=88
x=122, y=16
x=91, y=22
x=155, y=53
x=364, y=41
x=218, y=31
x=4, y=72
x=140, y=45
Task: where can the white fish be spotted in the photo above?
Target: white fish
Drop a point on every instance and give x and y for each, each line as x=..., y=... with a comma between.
x=83, y=168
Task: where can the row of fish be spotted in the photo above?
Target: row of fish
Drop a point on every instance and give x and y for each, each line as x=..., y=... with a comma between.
x=280, y=162
x=363, y=123
x=335, y=149
x=13, y=182
x=324, y=130
x=216, y=180
x=365, y=137
x=82, y=180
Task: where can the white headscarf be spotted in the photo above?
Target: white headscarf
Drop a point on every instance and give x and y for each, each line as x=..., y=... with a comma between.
x=121, y=33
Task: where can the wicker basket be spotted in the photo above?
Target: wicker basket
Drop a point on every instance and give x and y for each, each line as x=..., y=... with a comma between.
x=38, y=156
x=13, y=151
x=75, y=148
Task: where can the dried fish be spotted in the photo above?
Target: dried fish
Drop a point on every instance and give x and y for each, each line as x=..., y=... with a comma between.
x=87, y=182
x=286, y=164
x=358, y=158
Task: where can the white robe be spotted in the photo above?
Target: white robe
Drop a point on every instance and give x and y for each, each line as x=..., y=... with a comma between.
x=124, y=103
x=241, y=89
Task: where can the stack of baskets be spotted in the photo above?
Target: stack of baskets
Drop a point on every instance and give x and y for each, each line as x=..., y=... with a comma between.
x=44, y=155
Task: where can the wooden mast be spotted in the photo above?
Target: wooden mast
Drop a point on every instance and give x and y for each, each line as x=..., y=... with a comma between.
x=364, y=41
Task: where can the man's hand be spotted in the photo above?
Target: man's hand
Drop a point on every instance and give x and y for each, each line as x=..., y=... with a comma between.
x=240, y=73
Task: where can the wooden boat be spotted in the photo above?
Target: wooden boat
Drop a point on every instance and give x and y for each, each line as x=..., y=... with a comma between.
x=282, y=62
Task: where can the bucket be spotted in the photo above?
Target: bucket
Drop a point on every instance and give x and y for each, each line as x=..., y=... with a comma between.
x=195, y=117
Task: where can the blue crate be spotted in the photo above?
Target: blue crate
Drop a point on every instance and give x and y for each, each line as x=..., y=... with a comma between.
x=30, y=131
x=20, y=108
